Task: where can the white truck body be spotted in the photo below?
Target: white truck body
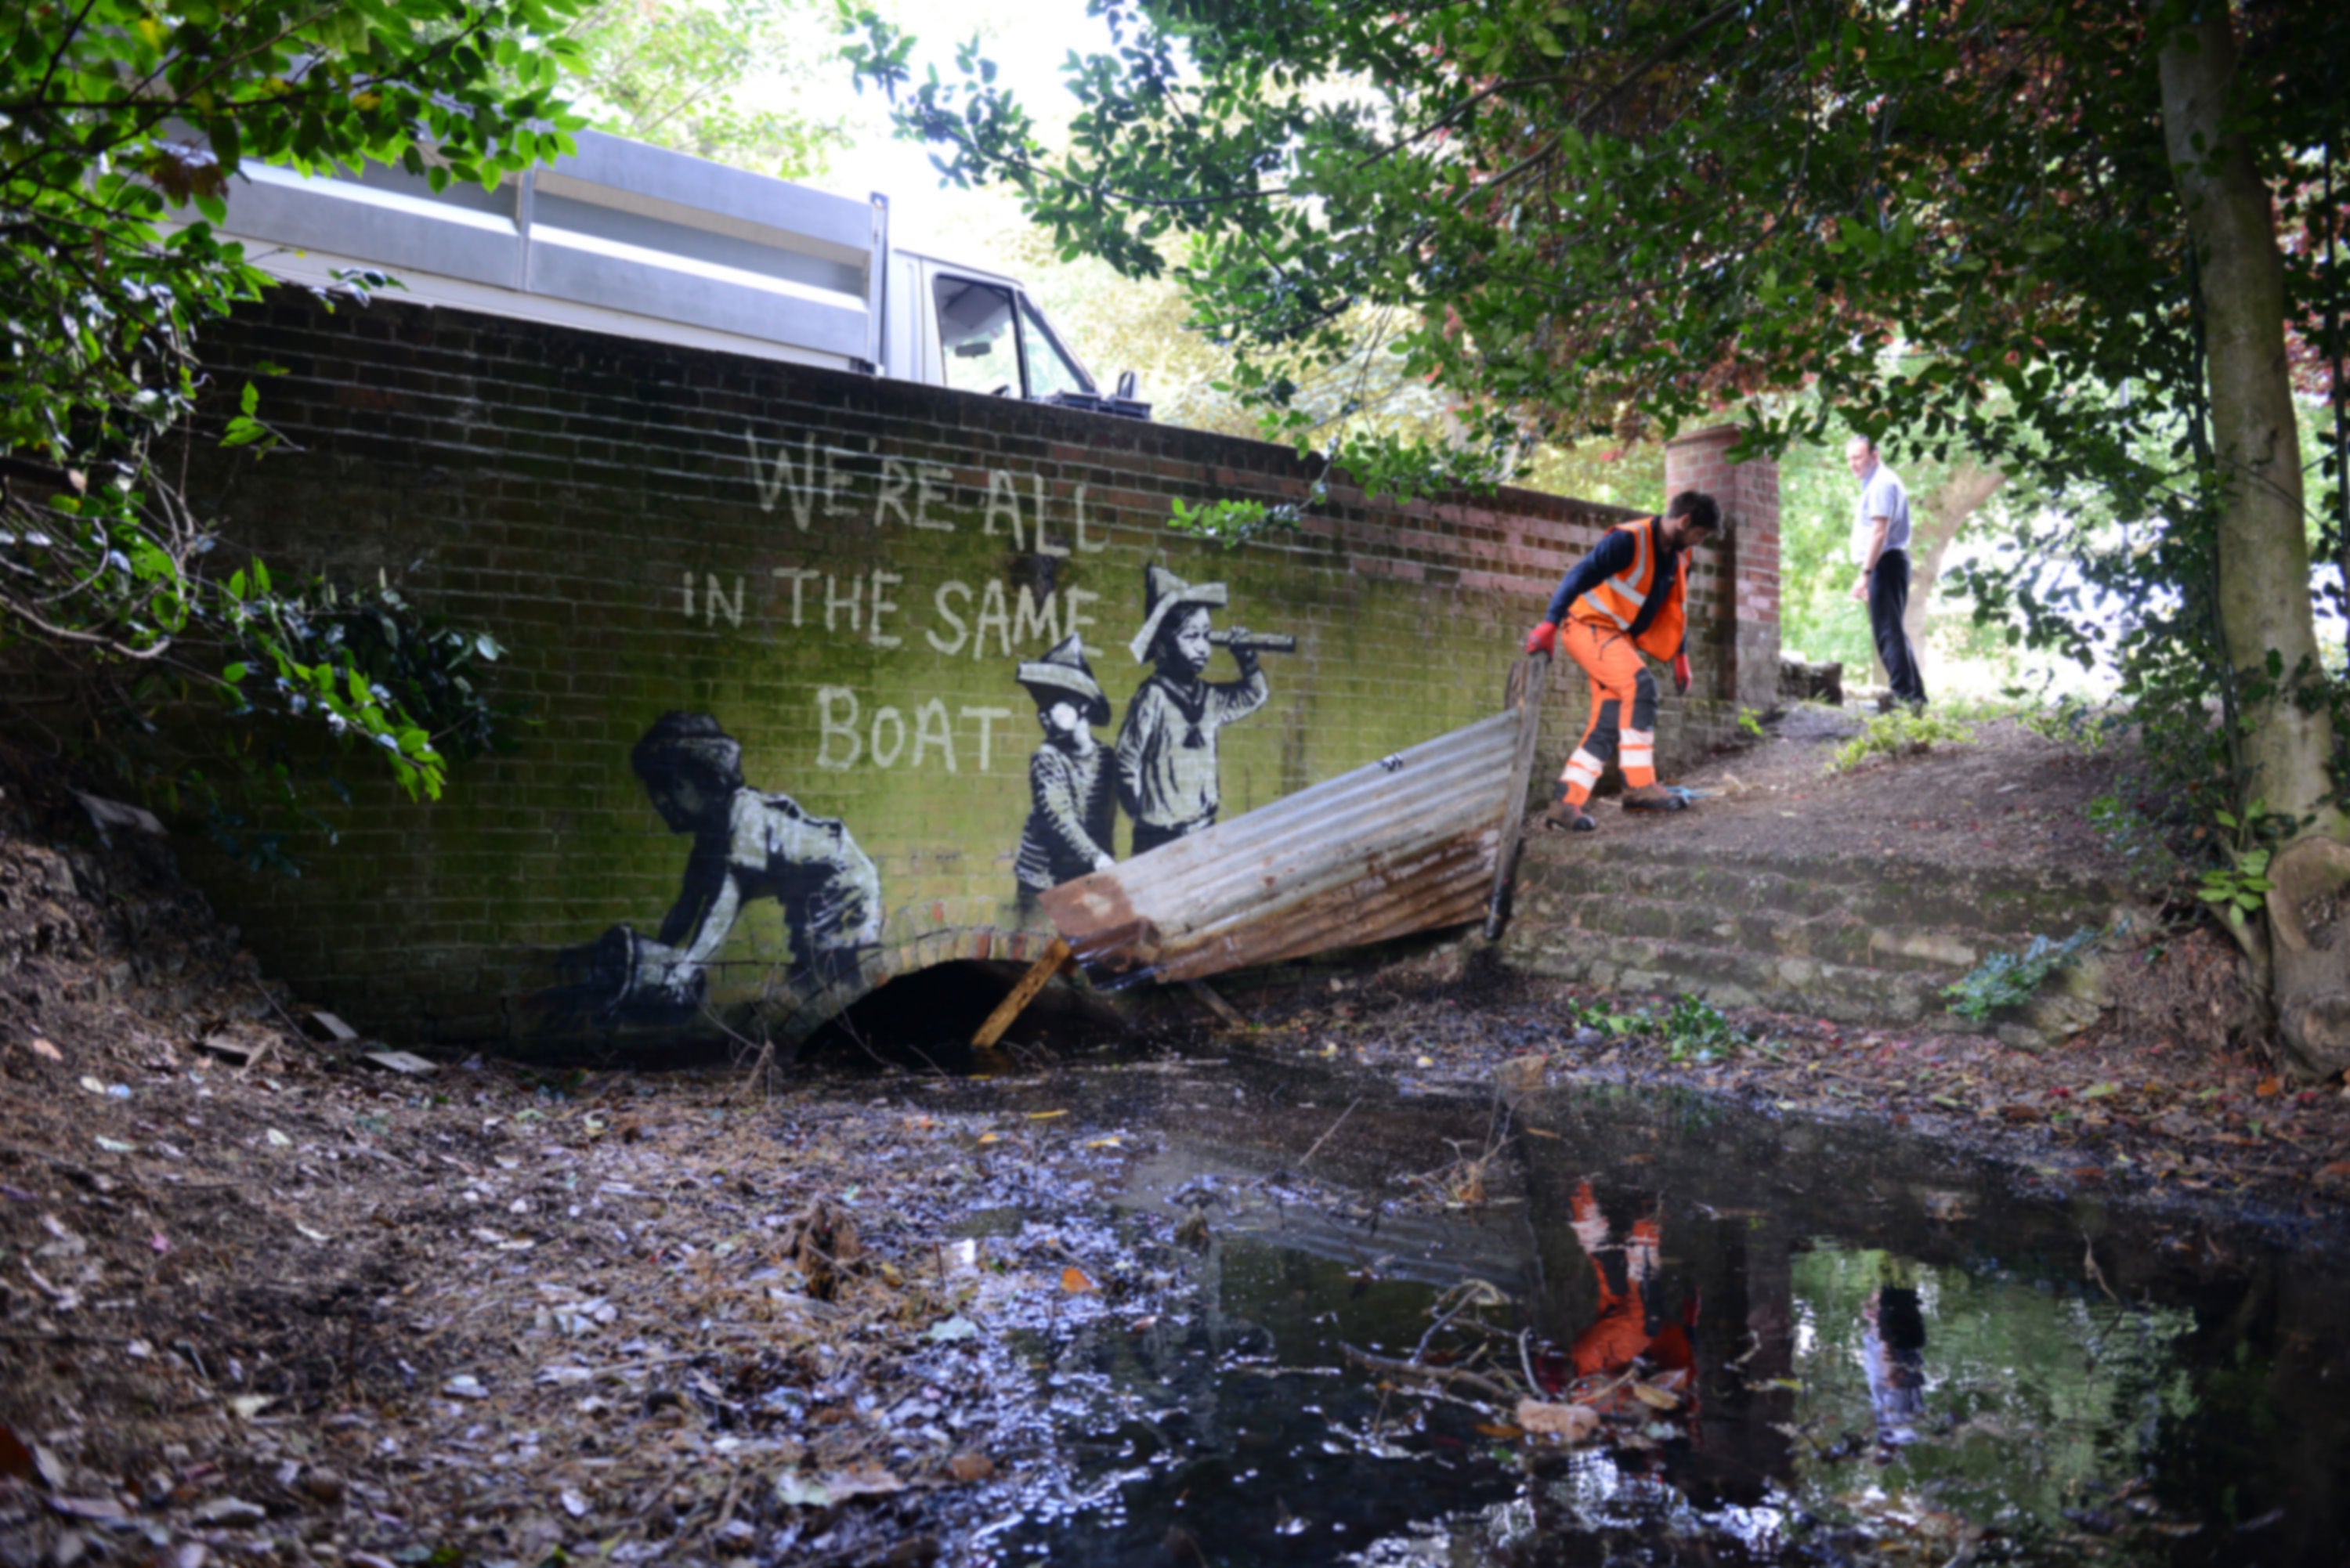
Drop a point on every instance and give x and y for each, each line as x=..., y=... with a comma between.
x=639, y=241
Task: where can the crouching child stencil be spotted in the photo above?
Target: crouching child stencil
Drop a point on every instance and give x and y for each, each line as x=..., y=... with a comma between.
x=748, y=843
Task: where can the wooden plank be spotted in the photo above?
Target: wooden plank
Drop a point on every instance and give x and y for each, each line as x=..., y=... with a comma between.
x=1522, y=769
x=1217, y=1004
x=1043, y=968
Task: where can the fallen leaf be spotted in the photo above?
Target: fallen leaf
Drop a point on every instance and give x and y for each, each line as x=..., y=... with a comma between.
x=952, y=1330
x=97, y=1508
x=44, y=1049
x=986, y=1139
x=248, y=1406
x=93, y=1085
x=573, y=1503
x=1571, y=1422
x=1105, y=1143
x=2268, y=1086
x=971, y=1467
x=2337, y=1171
x=1075, y=1282
x=1044, y=1116
x=1655, y=1398
x=793, y=1492
x=231, y=1511
x=465, y=1386
x=279, y=1140
x=1491, y=1430
x=866, y=1481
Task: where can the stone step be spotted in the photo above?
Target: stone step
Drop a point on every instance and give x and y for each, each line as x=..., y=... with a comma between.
x=1860, y=940
x=1843, y=993
x=1835, y=937
x=1900, y=895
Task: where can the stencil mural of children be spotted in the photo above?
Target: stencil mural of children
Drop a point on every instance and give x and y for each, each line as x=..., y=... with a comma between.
x=1071, y=785
x=1167, y=776
x=747, y=844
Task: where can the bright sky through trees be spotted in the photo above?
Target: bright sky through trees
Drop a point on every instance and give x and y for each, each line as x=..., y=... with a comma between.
x=1028, y=39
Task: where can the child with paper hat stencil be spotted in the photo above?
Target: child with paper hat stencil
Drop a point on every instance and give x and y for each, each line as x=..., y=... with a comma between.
x=1167, y=747
x=1074, y=793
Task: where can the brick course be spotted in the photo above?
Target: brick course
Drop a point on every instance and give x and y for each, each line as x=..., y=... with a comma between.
x=651, y=528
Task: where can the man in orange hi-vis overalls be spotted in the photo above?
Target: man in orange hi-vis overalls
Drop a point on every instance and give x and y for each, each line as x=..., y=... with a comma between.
x=1623, y=599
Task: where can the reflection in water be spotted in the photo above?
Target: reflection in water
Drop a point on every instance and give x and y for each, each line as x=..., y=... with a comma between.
x=1895, y=1353
x=1867, y=1382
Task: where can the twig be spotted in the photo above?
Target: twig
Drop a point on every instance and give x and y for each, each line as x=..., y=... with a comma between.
x=1445, y=1375
x=2089, y=1267
x=1318, y=1142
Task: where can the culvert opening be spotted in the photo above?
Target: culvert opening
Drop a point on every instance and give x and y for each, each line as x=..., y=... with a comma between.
x=926, y=1018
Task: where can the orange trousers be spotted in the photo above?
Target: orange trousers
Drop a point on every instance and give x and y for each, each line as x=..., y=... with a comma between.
x=1621, y=690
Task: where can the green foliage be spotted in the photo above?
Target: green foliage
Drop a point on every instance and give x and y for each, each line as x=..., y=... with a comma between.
x=1379, y=464
x=1750, y=724
x=1691, y=1031
x=1900, y=733
x=721, y=81
x=121, y=128
x=1694, y=1031
x=2239, y=889
x=2011, y=979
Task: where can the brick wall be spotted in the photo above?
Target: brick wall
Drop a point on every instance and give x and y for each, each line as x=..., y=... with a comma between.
x=1747, y=568
x=844, y=574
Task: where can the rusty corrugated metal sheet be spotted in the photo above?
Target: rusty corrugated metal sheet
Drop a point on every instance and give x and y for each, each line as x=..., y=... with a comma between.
x=1404, y=845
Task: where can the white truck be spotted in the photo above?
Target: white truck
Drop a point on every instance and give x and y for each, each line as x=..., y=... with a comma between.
x=639, y=241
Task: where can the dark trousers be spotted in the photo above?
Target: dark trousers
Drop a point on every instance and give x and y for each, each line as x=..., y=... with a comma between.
x=1889, y=600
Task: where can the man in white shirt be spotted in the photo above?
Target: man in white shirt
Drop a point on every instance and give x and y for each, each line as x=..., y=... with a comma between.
x=1880, y=544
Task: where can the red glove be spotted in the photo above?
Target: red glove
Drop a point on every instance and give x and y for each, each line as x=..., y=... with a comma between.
x=1543, y=639
x=1681, y=674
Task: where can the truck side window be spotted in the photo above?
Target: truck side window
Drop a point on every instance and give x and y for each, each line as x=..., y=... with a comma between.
x=1050, y=371
x=976, y=342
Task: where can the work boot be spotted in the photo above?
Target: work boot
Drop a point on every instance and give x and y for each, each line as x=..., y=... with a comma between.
x=1654, y=797
x=1566, y=817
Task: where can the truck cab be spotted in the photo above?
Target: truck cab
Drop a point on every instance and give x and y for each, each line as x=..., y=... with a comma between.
x=622, y=237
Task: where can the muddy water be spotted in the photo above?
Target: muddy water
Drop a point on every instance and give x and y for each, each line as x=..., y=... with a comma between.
x=1886, y=1352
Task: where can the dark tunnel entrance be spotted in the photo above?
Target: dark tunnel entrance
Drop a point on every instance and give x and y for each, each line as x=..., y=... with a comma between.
x=926, y=1018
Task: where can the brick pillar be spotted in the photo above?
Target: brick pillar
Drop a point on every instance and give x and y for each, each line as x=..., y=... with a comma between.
x=1745, y=574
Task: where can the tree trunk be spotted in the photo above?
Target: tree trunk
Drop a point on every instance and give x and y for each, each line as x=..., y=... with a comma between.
x=2264, y=555
x=1968, y=485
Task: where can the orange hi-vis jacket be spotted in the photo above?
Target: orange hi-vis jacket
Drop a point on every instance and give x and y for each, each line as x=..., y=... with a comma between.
x=1615, y=602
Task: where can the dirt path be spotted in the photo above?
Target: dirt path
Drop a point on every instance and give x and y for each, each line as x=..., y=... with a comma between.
x=2011, y=798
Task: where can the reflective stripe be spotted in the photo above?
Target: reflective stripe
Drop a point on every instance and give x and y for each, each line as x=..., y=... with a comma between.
x=1626, y=582
x=1582, y=768
x=1639, y=747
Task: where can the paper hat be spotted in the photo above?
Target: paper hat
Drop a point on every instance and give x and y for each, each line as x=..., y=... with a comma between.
x=1064, y=673
x=1162, y=591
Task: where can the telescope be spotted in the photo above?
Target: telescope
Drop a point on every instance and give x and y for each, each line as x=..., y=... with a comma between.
x=1255, y=641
